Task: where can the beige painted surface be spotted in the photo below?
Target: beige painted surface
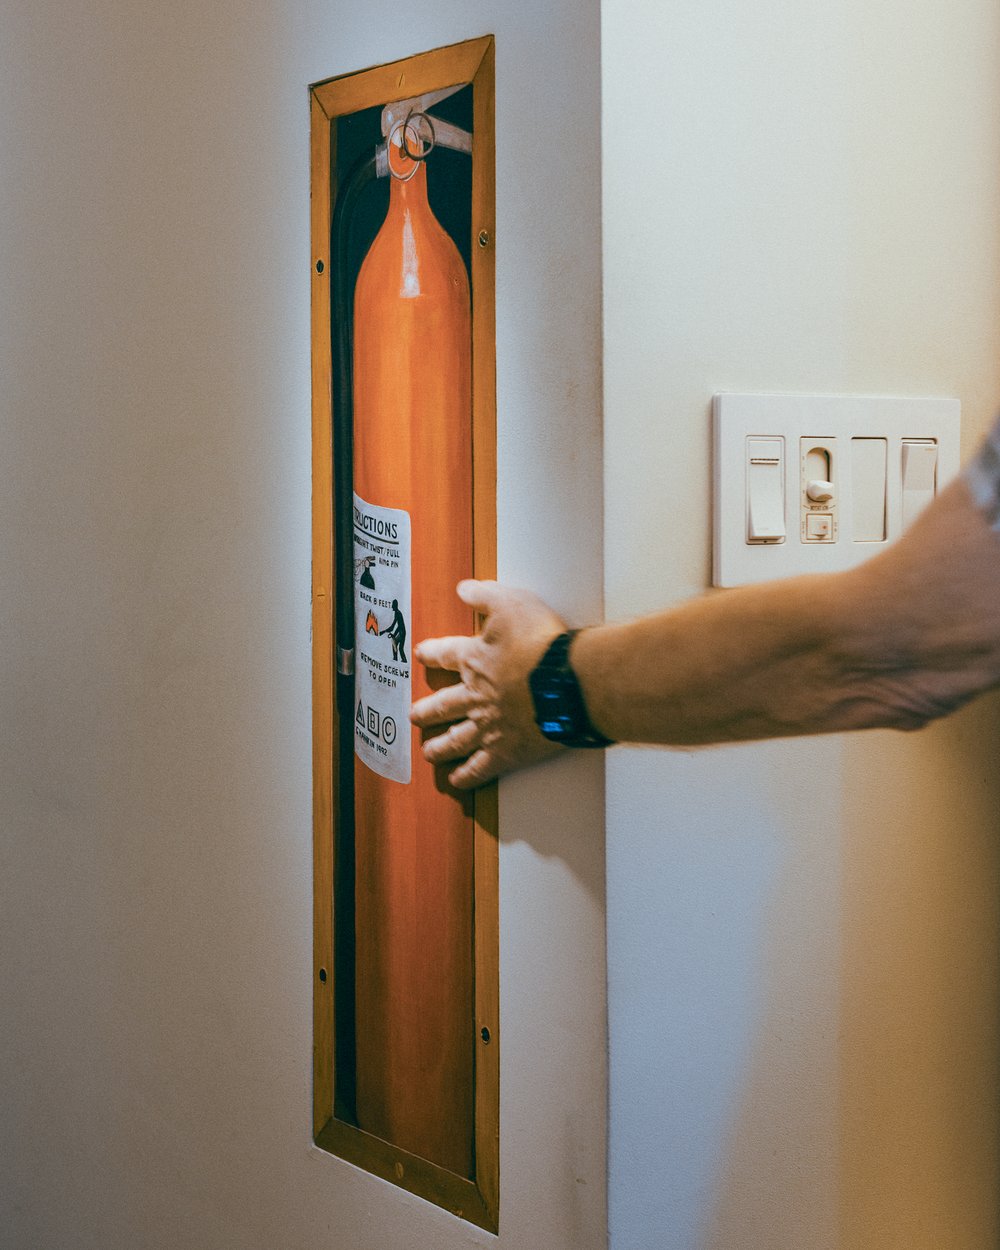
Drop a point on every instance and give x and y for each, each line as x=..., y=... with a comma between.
x=803, y=937
x=155, y=781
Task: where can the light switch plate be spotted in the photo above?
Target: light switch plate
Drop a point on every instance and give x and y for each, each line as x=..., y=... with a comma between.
x=832, y=421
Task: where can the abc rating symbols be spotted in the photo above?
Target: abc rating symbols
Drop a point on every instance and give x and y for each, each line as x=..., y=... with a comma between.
x=377, y=726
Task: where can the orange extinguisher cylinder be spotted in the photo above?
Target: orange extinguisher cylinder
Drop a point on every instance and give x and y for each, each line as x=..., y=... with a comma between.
x=414, y=1002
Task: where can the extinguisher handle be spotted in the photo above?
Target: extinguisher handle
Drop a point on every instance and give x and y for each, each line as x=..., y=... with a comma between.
x=399, y=111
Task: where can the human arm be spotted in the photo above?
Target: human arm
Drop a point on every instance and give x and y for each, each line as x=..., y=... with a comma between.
x=904, y=638
x=894, y=643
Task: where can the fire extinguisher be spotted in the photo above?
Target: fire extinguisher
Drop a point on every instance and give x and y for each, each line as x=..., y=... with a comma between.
x=403, y=481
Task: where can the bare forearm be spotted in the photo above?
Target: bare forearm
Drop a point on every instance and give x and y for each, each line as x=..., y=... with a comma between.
x=901, y=640
x=756, y=662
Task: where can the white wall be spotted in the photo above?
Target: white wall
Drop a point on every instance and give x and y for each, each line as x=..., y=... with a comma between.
x=803, y=986
x=802, y=936
x=155, y=793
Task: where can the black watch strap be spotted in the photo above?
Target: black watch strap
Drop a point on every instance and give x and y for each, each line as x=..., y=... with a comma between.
x=560, y=712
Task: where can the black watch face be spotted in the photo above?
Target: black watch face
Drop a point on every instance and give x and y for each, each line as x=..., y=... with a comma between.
x=552, y=714
x=560, y=712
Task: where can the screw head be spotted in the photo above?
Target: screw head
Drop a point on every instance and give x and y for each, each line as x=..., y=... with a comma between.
x=484, y=238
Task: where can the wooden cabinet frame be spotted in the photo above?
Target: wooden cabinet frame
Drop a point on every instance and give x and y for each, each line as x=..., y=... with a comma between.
x=476, y=1199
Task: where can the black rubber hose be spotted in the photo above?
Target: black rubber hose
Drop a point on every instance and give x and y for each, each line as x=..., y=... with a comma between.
x=342, y=283
x=342, y=344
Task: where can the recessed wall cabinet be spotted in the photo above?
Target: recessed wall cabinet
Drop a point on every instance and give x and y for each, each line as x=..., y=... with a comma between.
x=406, y=1029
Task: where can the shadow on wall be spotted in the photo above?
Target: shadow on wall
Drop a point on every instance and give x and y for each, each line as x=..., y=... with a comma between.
x=553, y=831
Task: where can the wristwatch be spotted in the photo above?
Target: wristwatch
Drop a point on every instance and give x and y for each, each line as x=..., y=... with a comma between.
x=560, y=711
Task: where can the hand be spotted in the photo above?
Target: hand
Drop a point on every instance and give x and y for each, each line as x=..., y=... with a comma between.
x=489, y=714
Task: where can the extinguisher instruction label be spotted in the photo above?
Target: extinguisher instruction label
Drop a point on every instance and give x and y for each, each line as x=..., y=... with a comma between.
x=381, y=622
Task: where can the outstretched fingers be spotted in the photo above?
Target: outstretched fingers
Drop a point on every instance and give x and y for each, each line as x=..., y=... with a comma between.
x=447, y=653
x=448, y=704
x=484, y=597
x=479, y=768
x=483, y=726
x=455, y=743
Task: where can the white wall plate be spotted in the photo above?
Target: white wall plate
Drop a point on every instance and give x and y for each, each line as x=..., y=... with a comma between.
x=817, y=483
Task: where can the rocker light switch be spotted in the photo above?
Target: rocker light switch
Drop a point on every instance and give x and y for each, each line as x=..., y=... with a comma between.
x=919, y=467
x=765, y=490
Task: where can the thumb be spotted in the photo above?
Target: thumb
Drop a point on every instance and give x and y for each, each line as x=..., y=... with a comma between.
x=484, y=597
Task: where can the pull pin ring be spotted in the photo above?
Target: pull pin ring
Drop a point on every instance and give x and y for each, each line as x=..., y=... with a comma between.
x=402, y=135
x=427, y=141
